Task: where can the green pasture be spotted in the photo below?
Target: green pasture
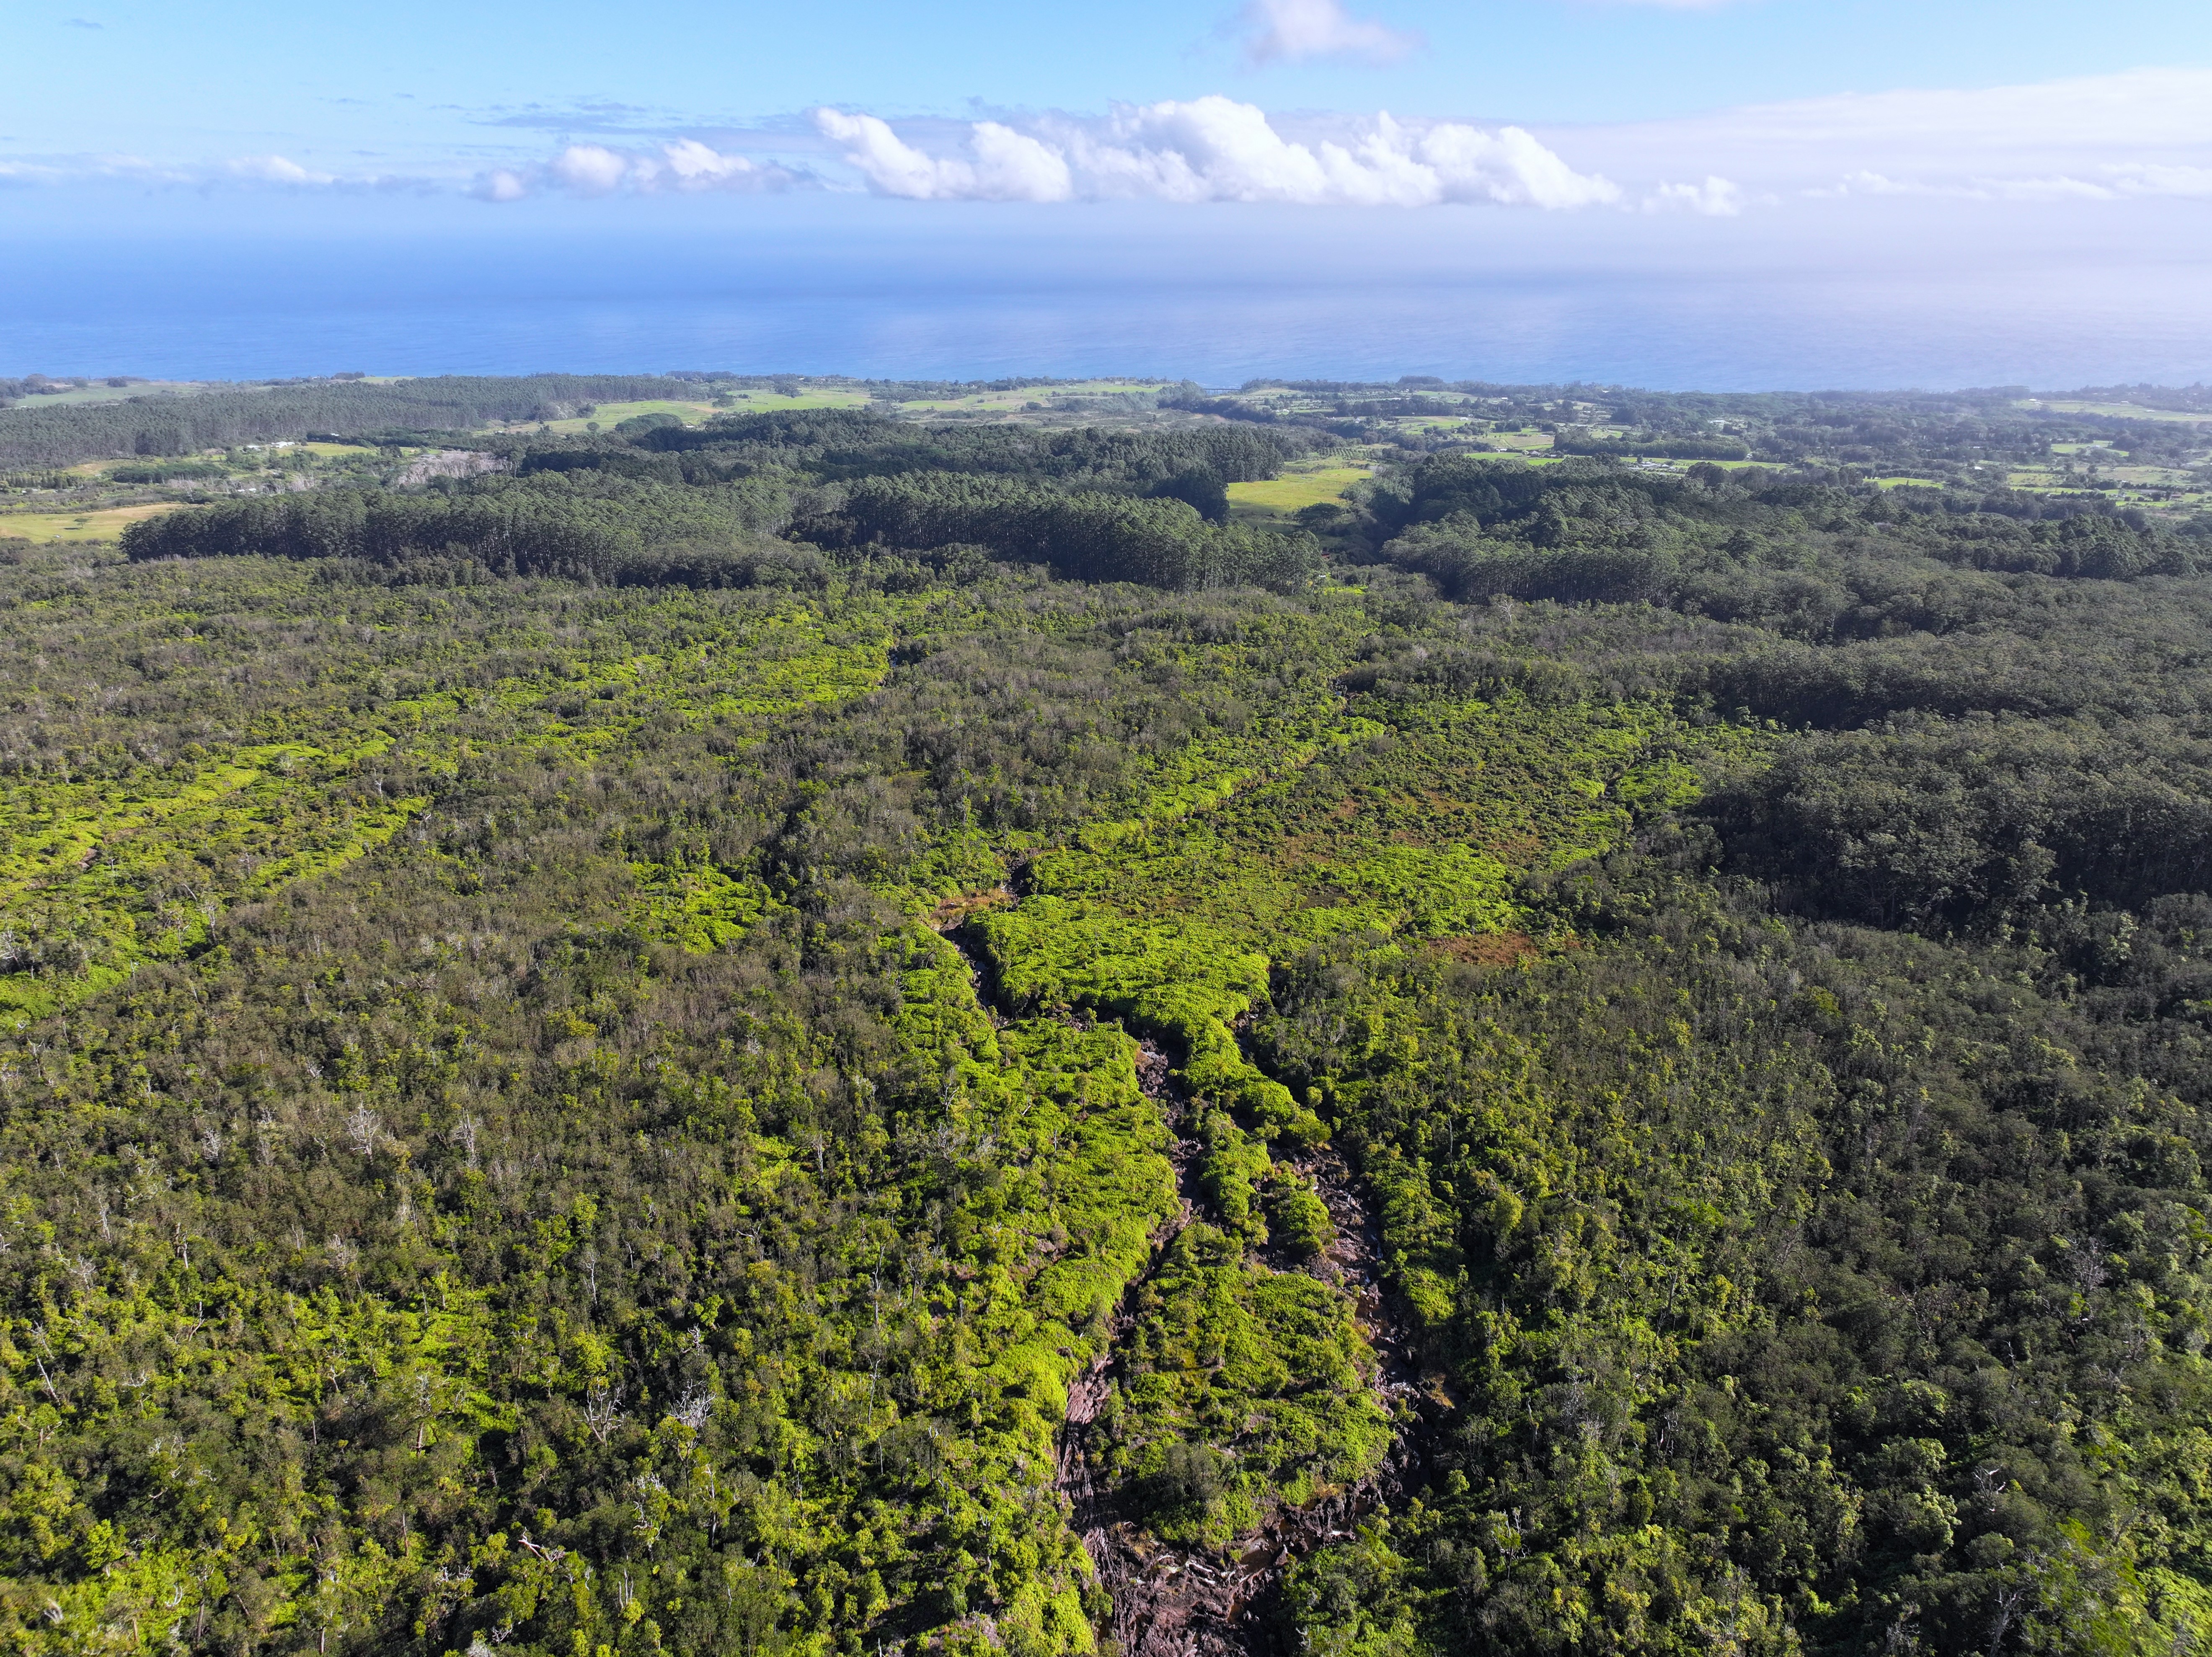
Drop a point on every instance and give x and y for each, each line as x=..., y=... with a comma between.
x=103, y=524
x=607, y=416
x=97, y=392
x=1019, y=399
x=768, y=402
x=1279, y=497
x=2119, y=411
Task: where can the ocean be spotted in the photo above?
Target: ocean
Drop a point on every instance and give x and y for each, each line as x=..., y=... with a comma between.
x=906, y=302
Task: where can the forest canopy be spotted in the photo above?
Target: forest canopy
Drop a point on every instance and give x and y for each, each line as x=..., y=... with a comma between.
x=693, y=504
x=31, y=435
x=788, y=1030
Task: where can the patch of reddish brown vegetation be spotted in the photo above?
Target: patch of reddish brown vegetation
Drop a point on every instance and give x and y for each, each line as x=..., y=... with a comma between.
x=1487, y=948
x=954, y=910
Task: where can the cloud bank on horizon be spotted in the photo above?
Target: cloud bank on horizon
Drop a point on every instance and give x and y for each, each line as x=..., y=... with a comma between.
x=1724, y=107
x=2145, y=133
x=1216, y=150
x=684, y=165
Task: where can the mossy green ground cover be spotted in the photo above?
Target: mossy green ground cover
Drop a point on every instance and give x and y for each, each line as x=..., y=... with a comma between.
x=1267, y=1365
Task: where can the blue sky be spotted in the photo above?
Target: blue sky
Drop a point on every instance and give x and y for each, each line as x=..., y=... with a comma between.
x=1437, y=142
x=157, y=78
x=438, y=98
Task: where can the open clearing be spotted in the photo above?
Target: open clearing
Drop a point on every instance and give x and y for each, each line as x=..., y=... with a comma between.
x=1022, y=398
x=2122, y=411
x=97, y=392
x=102, y=525
x=1281, y=496
x=768, y=402
x=607, y=416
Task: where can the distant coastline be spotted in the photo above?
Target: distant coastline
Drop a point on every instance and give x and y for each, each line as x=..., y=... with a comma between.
x=222, y=310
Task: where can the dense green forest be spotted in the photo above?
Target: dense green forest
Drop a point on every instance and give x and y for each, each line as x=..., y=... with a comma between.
x=825, y=1033
x=63, y=433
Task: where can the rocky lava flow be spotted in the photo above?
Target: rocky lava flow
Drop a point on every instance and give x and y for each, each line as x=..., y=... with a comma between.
x=1174, y=1601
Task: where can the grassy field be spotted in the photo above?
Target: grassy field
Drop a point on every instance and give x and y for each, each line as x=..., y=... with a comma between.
x=1438, y=422
x=764, y=402
x=1011, y=402
x=97, y=392
x=2121, y=411
x=607, y=416
x=103, y=524
x=1279, y=497
x=2136, y=480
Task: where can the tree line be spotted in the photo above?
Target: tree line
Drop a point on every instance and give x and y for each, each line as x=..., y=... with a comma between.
x=171, y=425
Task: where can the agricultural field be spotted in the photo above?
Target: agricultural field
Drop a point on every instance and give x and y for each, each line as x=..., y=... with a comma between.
x=1281, y=497
x=98, y=392
x=102, y=523
x=606, y=417
x=2116, y=411
x=768, y=402
x=1035, y=398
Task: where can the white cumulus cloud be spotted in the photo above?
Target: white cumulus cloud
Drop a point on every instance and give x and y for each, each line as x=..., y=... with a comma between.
x=1280, y=31
x=683, y=164
x=1216, y=150
x=594, y=169
x=2057, y=148
x=1715, y=198
x=278, y=169
x=1006, y=165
